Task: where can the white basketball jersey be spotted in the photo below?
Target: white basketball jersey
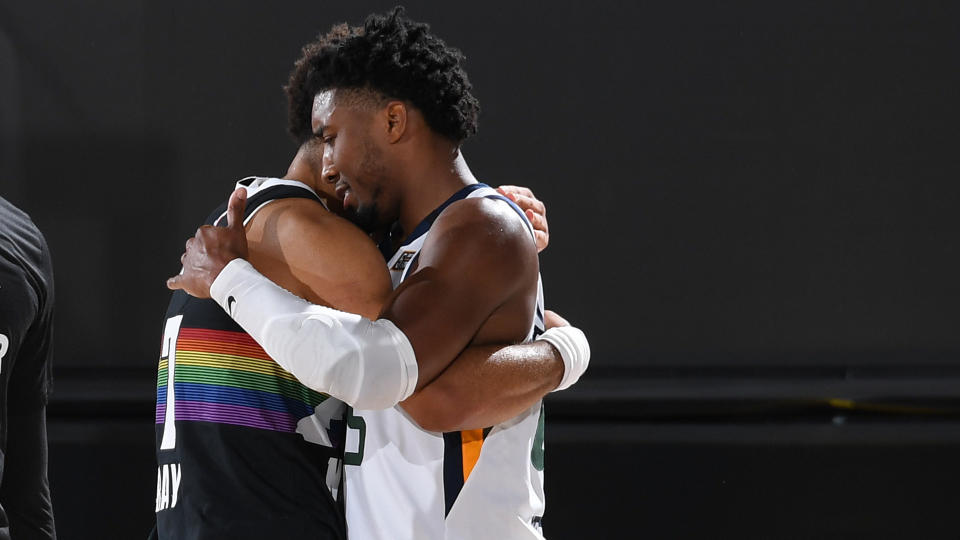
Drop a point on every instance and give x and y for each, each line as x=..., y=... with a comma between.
x=403, y=482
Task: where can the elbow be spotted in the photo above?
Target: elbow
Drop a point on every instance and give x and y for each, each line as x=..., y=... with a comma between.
x=433, y=410
x=441, y=421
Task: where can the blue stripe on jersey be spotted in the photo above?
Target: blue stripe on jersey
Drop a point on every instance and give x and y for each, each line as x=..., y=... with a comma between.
x=452, y=468
x=539, y=325
x=427, y=222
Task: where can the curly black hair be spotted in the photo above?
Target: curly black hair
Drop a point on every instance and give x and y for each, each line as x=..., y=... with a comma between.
x=393, y=56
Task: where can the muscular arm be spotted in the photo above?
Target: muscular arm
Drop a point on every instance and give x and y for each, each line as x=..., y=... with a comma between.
x=323, y=348
x=324, y=259
x=476, y=283
x=318, y=256
x=487, y=385
x=327, y=261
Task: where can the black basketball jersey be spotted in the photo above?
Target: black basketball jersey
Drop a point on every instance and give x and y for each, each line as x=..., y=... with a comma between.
x=243, y=449
x=26, y=326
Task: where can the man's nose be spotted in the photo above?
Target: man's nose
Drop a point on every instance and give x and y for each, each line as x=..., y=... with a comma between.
x=330, y=172
x=331, y=175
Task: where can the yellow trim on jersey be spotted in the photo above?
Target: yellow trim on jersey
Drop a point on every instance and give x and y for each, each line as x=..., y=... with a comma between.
x=472, y=442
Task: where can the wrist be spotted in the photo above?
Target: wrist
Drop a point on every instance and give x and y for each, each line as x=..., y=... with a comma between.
x=574, y=350
x=226, y=279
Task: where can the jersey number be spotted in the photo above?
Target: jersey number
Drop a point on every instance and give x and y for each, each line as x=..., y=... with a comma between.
x=168, y=352
x=536, y=454
x=358, y=424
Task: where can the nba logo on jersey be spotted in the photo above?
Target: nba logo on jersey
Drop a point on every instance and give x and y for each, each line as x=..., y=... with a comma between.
x=402, y=261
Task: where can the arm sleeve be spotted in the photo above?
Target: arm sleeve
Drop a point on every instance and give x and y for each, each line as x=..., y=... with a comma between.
x=26, y=491
x=31, y=381
x=26, y=322
x=366, y=364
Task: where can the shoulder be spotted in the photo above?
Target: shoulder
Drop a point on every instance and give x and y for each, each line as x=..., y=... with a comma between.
x=488, y=223
x=21, y=234
x=483, y=211
x=481, y=232
x=24, y=251
x=320, y=254
x=305, y=223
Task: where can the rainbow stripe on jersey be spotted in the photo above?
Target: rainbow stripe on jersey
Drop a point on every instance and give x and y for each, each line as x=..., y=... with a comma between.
x=226, y=377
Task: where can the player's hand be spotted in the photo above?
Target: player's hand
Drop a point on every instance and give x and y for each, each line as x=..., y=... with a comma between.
x=211, y=249
x=552, y=320
x=535, y=210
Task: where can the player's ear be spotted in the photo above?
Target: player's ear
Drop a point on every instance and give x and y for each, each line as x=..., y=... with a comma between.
x=396, y=120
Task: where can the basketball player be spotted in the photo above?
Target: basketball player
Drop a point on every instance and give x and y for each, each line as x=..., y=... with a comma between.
x=26, y=328
x=236, y=430
x=392, y=106
x=243, y=449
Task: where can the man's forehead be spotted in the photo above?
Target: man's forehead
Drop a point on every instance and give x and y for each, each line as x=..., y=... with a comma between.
x=323, y=104
x=322, y=109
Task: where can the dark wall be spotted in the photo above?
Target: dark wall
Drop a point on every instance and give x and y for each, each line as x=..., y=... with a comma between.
x=628, y=480
x=752, y=208
x=727, y=183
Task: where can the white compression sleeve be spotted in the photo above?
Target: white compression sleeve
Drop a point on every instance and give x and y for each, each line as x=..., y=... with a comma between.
x=366, y=364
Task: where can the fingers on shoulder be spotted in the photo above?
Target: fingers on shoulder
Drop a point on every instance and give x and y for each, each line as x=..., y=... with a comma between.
x=537, y=220
x=515, y=190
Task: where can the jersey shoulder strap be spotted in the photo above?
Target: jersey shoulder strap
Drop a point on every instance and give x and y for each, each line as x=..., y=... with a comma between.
x=263, y=191
x=260, y=192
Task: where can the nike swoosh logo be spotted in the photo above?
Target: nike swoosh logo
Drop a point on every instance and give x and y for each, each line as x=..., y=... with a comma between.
x=230, y=302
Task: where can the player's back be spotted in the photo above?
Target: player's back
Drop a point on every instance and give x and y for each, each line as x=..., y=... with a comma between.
x=243, y=449
x=26, y=323
x=407, y=482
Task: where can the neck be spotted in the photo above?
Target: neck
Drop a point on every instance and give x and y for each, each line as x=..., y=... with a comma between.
x=303, y=170
x=430, y=184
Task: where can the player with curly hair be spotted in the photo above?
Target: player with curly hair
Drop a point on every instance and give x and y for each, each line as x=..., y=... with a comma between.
x=389, y=58
x=428, y=454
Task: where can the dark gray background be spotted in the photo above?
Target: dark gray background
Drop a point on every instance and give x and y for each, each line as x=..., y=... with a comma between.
x=752, y=210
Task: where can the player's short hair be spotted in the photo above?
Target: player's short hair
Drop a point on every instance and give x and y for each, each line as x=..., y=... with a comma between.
x=388, y=57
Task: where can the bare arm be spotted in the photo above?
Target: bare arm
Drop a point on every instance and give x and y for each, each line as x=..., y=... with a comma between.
x=475, y=284
x=326, y=260
x=318, y=256
x=490, y=384
x=487, y=385
x=372, y=364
